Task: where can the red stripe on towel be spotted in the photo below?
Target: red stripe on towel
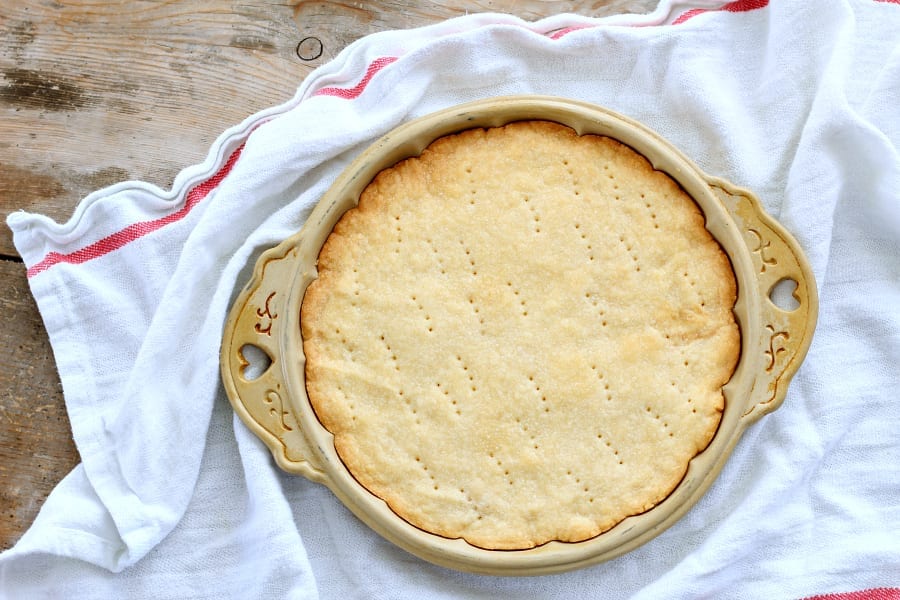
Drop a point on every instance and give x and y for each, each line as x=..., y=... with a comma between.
x=137, y=230
x=735, y=7
x=870, y=594
x=351, y=93
x=558, y=33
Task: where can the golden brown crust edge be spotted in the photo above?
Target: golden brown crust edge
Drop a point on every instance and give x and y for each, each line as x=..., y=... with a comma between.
x=346, y=246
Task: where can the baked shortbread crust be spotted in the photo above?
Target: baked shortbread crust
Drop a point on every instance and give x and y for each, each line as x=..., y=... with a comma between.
x=520, y=336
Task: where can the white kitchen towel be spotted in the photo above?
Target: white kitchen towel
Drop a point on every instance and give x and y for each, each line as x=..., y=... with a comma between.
x=798, y=101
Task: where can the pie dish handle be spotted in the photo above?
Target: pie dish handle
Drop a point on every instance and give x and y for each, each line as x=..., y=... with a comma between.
x=251, y=363
x=787, y=321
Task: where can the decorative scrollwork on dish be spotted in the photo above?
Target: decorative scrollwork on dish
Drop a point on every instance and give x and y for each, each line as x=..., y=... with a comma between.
x=777, y=346
x=276, y=409
x=267, y=317
x=762, y=246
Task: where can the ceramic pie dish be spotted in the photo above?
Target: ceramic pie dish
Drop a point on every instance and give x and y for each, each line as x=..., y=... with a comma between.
x=277, y=408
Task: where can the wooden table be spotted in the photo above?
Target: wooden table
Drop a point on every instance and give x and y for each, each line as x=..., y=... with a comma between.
x=94, y=92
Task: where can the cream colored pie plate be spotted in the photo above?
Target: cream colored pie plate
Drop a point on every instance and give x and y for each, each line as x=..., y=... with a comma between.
x=265, y=316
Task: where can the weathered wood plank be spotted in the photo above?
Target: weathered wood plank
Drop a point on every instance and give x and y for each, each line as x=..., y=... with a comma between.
x=339, y=24
x=93, y=92
x=36, y=447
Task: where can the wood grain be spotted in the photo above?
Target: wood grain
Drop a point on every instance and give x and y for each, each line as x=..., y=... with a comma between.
x=93, y=92
x=36, y=447
x=99, y=92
